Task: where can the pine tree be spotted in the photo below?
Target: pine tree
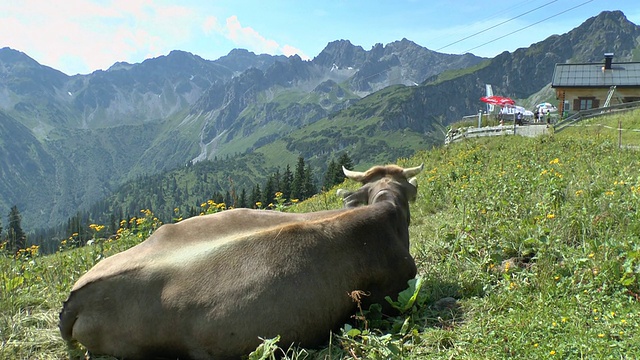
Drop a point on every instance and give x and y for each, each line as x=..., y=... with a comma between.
x=329, y=176
x=345, y=161
x=338, y=175
x=285, y=185
x=256, y=196
x=112, y=224
x=297, y=186
x=228, y=200
x=242, y=202
x=269, y=191
x=277, y=181
x=17, y=238
x=308, y=185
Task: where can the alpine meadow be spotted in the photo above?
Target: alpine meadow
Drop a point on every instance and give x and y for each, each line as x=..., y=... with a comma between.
x=526, y=247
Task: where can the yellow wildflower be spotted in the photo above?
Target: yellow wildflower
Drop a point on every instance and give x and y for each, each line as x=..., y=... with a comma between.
x=96, y=228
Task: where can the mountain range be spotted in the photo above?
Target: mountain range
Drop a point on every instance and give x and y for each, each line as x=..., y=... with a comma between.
x=69, y=141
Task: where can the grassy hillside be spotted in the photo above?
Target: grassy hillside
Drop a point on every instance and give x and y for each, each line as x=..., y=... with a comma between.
x=534, y=244
x=368, y=131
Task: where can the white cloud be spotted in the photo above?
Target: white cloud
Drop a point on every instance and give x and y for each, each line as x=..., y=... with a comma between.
x=98, y=34
x=247, y=37
x=211, y=25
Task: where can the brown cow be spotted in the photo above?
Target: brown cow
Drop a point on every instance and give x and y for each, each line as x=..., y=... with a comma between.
x=211, y=286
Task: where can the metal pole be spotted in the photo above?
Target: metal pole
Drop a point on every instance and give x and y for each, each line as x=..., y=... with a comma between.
x=619, y=134
x=479, y=118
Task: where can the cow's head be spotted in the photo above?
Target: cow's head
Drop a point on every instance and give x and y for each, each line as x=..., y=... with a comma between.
x=389, y=182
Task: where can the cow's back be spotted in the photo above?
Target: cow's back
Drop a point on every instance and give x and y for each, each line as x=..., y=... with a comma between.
x=218, y=296
x=193, y=233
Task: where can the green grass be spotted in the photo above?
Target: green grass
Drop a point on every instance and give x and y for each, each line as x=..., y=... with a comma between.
x=538, y=240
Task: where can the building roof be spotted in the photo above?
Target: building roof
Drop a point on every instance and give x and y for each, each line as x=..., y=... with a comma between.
x=594, y=75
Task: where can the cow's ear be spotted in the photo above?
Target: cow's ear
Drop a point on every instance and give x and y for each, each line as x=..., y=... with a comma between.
x=342, y=193
x=413, y=181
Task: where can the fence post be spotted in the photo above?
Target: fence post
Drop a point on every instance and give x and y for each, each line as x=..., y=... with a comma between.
x=619, y=134
x=479, y=119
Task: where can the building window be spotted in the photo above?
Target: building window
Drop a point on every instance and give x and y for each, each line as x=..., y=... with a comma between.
x=586, y=104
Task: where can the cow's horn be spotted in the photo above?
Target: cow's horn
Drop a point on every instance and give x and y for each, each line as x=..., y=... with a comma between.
x=353, y=175
x=411, y=172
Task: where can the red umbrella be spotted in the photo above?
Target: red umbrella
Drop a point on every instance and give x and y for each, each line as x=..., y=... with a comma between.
x=497, y=100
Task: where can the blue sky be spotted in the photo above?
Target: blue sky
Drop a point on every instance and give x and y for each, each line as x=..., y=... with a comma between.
x=81, y=36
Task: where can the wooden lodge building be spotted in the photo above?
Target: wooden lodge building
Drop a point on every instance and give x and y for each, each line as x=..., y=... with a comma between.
x=593, y=85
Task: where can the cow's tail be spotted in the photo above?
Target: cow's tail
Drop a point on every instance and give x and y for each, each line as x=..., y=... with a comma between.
x=68, y=317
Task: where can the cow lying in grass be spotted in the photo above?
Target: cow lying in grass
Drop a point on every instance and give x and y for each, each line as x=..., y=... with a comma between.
x=212, y=286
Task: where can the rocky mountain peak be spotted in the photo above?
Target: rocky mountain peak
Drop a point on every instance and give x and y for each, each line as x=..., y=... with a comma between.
x=609, y=31
x=341, y=53
x=239, y=60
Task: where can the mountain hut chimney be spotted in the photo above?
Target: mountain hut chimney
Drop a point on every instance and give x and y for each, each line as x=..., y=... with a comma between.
x=608, y=59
